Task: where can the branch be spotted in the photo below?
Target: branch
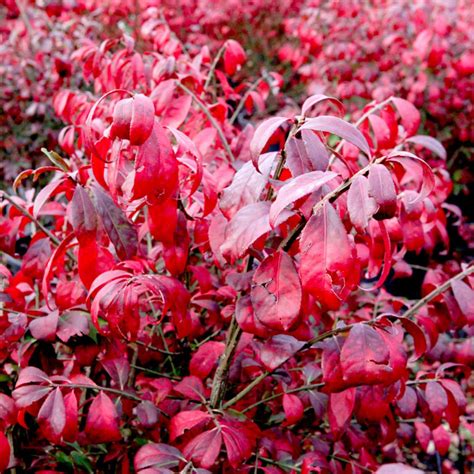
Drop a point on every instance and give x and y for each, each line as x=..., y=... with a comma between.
x=437, y=291
x=219, y=383
x=33, y=219
x=280, y=394
x=213, y=66
x=211, y=119
x=115, y=391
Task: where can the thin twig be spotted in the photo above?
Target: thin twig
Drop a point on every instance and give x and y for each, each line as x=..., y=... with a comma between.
x=241, y=104
x=437, y=291
x=211, y=119
x=115, y=391
x=30, y=216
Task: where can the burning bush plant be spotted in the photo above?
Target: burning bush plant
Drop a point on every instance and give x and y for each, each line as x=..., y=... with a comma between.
x=194, y=283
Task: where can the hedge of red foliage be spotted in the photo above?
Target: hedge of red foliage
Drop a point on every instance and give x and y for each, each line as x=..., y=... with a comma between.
x=211, y=269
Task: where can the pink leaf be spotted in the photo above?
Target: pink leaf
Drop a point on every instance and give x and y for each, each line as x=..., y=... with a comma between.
x=44, y=328
x=239, y=235
x=339, y=127
x=262, y=136
x=430, y=143
x=382, y=189
x=306, y=153
x=296, y=189
x=409, y=114
x=245, y=189
x=278, y=350
x=436, y=398
x=412, y=168
x=397, y=468
x=317, y=99
x=360, y=205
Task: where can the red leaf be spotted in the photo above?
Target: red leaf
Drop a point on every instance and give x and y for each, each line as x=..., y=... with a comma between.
x=276, y=292
x=156, y=167
x=141, y=124
x=408, y=403
x=186, y=420
x=442, y=440
x=409, y=114
x=457, y=392
x=234, y=57
x=72, y=417
x=340, y=408
x=102, y=424
x=296, y=189
x=339, y=127
x=423, y=435
x=360, y=205
x=83, y=215
x=191, y=388
x=364, y=356
x=327, y=268
x=52, y=416
x=133, y=119
x=204, y=360
x=293, y=408
x=5, y=451
x=239, y=439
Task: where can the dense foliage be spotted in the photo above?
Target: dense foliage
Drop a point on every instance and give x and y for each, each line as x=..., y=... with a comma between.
x=235, y=240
